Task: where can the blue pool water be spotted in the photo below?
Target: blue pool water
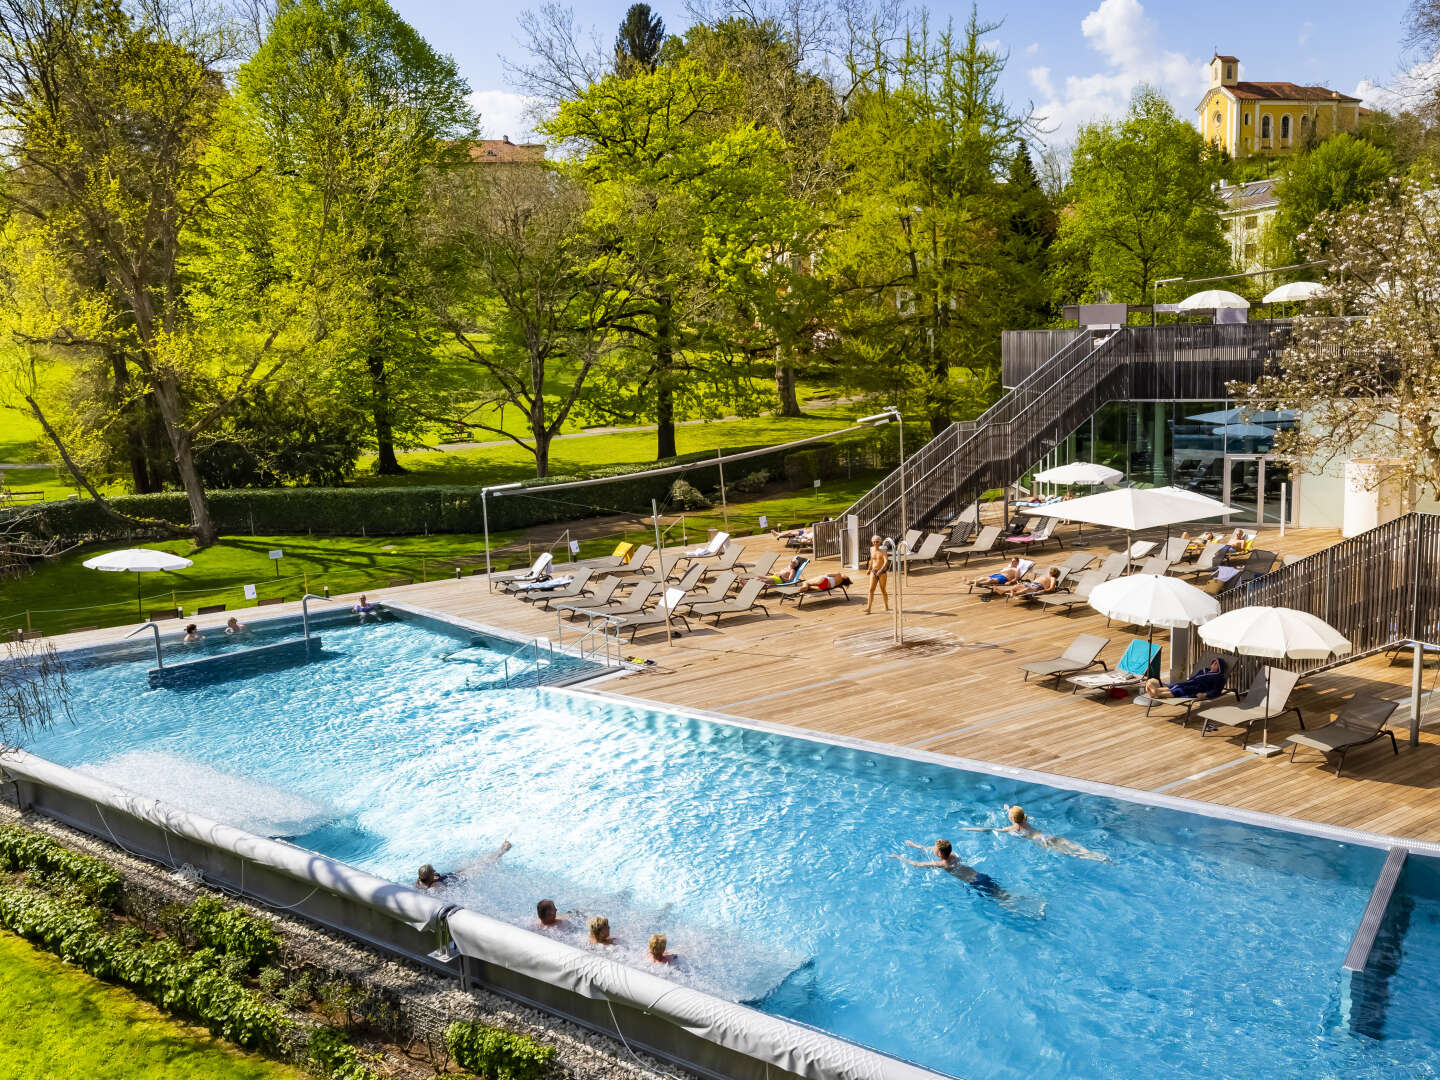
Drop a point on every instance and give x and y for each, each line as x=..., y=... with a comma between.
x=1203, y=949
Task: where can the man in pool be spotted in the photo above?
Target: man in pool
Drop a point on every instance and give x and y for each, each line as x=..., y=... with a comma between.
x=548, y=916
x=1020, y=826
x=946, y=859
x=429, y=878
x=235, y=628
x=192, y=635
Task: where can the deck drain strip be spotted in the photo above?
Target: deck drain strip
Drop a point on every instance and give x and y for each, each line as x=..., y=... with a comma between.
x=1200, y=775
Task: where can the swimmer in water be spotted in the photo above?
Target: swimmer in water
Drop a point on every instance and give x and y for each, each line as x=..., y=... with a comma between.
x=429, y=878
x=656, y=949
x=364, y=608
x=600, y=931
x=946, y=859
x=1020, y=826
x=192, y=635
x=235, y=628
x=548, y=916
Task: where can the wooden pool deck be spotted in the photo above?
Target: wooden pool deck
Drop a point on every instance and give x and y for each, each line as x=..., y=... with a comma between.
x=955, y=688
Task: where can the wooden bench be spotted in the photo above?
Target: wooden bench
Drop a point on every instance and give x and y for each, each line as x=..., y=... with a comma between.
x=271, y=600
x=9, y=495
x=161, y=616
x=209, y=609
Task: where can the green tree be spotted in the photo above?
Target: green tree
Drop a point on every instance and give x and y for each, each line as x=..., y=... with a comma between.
x=638, y=42
x=361, y=115
x=920, y=254
x=689, y=203
x=1141, y=205
x=1342, y=171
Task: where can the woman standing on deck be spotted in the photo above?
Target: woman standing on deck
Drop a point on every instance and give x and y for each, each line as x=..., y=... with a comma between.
x=879, y=567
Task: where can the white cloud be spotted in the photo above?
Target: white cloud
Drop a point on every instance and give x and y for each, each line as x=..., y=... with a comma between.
x=1129, y=45
x=1306, y=29
x=1409, y=89
x=1032, y=48
x=504, y=113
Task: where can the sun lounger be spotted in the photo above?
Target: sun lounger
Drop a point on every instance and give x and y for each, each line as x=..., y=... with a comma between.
x=603, y=596
x=663, y=612
x=1185, y=703
x=984, y=544
x=1031, y=595
x=1114, y=565
x=965, y=524
x=618, y=557
x=728, y=559
x=911, y=538
x=631, y=605
x=766, y=586
x=1023, y=568
x=1267, y=699
x=691, y=577
x=1257, y=565
x=572, y=585
x=637, y=562
x=1156, y=565
x=747, y=599
x=763, y=564
x=717, y=591
x=538, y=571
x=1204, y=564
x=1077, y=561
x=1034, y=539
x=798, y=593
x=709, y=551
x=1064, y=602
x=1141, y=549
x=1083, y=652
x=928, y=552
x=1361, y=720
x=1140, y=661
x=1173, y=552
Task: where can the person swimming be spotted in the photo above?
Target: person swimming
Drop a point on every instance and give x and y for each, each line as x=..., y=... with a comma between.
x=192, y=636
x=599, y=927
x=946, y=859
x=548, y=916
x=429, y=878
x=656, y=949
x=1020, y=826
x=235, y=628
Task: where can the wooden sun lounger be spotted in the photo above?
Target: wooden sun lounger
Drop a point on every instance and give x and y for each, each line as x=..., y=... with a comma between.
x=637, y=562
x=1083, y=652
x=1361, y=720
x=1066, y=601
x=579, y=585
x=984, y=544
x=631, y=605
x=927, y=553
x=602, y=596
x=798, y=593
x=747, y=599
x=1267, y=699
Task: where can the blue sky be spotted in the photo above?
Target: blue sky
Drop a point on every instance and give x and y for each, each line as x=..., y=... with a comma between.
x=1074, y=59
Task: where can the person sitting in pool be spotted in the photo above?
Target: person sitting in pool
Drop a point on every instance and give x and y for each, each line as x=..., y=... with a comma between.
x=1020, y=826
x=1207, y=682
x=235, y=628
x=429, y=878
x=548, y=916
x=363, y=608
x=1006, y=576
x=192, y=635
x=946, y=859
x=824, y=583
x=656, y=949
x=600, y=931
x=1047, y=584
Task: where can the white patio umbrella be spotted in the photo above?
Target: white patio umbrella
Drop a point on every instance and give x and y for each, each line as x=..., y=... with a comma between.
x=1275, y=633
x=1212, y=299
x=1153, y=600
x=1295, y=290
x=1244, y=431
x=1202, y=499
x=1133, y=509
x=137, y=561
x=1079, y=472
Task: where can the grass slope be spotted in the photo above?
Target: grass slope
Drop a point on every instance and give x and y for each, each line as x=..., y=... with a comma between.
x=63, y=595
x=61, y=1024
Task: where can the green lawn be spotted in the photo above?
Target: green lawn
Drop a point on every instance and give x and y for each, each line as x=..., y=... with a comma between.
x=63, y=595
x=61, y=1024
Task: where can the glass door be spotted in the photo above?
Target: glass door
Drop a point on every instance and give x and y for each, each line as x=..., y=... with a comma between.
x=1275, y=475
x=1243, y=489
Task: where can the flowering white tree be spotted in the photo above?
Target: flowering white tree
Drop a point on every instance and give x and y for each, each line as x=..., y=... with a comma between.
x=1363, y=368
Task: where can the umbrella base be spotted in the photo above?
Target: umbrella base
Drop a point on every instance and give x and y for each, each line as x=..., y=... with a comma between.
x=1263, y=749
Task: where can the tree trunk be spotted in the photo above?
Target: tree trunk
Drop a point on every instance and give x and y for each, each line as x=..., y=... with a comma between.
x=539, y=432
x=386, y=463
x=785, y=385
x=134, y=414
x=167, y=397
x=664, y=392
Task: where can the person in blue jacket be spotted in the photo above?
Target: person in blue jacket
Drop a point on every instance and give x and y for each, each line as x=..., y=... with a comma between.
x=1208, y=682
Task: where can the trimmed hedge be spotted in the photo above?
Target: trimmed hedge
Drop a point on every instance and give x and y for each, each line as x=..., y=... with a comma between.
x=381, y=511
x=21, y=849
x=236, y=933
x=496, y=1054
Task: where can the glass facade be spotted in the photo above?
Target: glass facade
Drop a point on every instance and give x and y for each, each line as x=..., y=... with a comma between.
x=1205, y=446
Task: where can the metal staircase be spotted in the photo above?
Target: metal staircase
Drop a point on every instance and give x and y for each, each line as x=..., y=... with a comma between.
x=996, y=448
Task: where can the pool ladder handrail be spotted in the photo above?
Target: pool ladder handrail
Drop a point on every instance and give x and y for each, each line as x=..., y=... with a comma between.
x=600, y=639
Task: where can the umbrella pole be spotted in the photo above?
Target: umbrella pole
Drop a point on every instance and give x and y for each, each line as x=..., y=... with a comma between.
x=139, y=610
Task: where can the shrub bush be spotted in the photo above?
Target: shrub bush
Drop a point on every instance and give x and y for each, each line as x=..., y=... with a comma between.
x=752, y=483
x=496, y=1054
x=376, y=511
x=21, y=849
x=686, y=496
x=330, y=1049
x=235, y=933
x=817, y=462
x=161, y=971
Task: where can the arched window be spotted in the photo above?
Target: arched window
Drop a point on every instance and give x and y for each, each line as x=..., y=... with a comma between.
x=1304, y=124
x=1264, y=127
x=1285, y=127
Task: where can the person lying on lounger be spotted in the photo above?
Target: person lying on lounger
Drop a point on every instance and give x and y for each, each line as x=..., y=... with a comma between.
x=1006, y=576
x=946, y=859
x=1020, y=826
x=824, y=583
x=789, y=574
x=804, y=536
x=1207, y=682
x=1047, y=584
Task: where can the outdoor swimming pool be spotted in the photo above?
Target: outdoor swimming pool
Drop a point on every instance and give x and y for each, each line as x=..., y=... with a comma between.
x=1205, y=948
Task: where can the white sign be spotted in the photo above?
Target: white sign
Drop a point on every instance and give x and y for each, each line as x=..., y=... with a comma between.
x=764, y=522
x=249, y=592
x=278, y=554
x=817, y=485
x=574, y=547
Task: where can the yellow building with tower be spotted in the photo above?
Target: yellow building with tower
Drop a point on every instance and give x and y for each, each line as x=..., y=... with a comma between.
x=1270, y=118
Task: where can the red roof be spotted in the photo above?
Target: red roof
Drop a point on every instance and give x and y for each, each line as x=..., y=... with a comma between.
x=503, y=151
x=1285, y=91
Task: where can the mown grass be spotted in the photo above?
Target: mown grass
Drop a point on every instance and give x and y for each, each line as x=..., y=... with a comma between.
x=63, y=595
x=61, y=1024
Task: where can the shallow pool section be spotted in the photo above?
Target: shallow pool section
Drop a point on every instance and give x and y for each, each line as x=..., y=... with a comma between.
x=1200, y=948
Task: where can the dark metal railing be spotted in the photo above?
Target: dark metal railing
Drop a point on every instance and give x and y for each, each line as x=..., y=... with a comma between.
x=1179, y=362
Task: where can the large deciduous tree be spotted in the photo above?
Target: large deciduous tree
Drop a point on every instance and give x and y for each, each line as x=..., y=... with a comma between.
x=1342, y=171
x=360, y=115
x=922, y=251
x=1368, y=387
x=1141, y=206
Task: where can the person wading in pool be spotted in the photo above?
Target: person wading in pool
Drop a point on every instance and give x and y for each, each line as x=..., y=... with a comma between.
x=429, y=878
x=946, y=859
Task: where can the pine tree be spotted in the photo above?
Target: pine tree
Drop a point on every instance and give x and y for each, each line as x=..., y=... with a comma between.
x=637, y=45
